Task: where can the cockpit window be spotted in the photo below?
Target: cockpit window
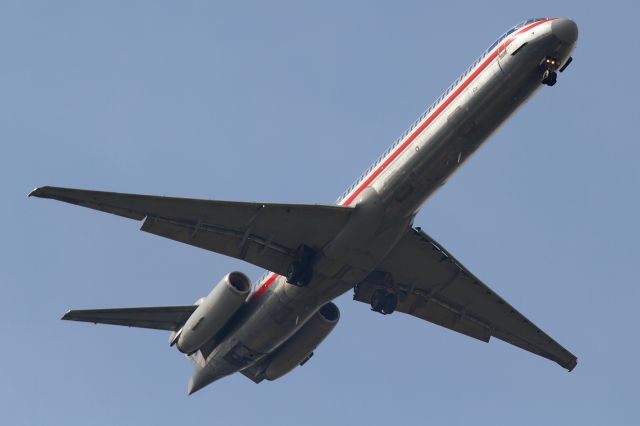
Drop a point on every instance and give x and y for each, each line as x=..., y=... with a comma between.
x=531, y=21
x=512, y=29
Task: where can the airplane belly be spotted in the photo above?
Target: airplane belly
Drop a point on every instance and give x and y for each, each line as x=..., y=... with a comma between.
x=284, y=308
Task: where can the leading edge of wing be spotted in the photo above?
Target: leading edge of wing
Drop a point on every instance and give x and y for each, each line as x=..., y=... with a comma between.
x=135, y=206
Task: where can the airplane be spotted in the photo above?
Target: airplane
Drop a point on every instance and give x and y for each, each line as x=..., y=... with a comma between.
x=366, y=242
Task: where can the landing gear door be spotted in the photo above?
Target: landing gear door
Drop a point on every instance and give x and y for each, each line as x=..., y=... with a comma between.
x=512, y=49
x=516, y=46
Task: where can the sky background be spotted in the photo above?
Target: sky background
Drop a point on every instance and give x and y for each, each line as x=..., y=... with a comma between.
x=285, y=102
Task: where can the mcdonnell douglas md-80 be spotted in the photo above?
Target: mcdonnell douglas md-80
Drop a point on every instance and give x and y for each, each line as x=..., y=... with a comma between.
x=365, y=243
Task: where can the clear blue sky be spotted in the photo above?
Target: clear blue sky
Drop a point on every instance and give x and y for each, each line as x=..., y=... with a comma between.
x=279, y=101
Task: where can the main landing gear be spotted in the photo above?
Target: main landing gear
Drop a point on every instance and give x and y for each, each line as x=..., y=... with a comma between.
x=549, y=76
x=300, y=272
x=384, y=301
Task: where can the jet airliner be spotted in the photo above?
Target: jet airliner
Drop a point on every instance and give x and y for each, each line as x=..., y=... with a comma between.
x=366, y=243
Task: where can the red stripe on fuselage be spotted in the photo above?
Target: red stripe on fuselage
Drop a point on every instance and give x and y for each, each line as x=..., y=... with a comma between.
x=264, y=286
x=435, y=114
x=347, y=201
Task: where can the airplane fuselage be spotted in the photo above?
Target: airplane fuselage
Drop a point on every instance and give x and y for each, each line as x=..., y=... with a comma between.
x=387, y=197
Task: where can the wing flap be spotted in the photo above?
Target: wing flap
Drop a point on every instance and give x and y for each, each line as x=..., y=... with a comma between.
x=158, y=317
x=251, y=248
x=430, y=309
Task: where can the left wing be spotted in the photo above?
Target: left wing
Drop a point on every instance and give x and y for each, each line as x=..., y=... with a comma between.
x=158, y=317
x=267, y=235
x=432, y=285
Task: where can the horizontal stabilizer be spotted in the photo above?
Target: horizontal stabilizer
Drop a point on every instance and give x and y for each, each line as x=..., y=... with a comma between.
x=158, y=317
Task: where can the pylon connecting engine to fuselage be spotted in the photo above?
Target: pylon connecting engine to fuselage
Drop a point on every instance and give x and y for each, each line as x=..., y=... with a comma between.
x=213, y=313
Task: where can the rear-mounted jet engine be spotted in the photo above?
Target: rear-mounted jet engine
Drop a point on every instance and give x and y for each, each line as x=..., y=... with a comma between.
x=213, y=312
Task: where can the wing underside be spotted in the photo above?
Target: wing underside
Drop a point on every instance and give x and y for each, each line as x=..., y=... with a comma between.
x=267, y=235
x=434, y=286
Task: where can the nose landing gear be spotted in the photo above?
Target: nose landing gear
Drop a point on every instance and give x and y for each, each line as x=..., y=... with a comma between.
x=549, y=75
x=549, y=78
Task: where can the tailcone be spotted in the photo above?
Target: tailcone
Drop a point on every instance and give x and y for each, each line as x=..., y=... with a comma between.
x=199, y=380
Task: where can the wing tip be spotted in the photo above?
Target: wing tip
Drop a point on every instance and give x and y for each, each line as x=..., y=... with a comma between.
x=40, y=192
x=571, y=364
x=67, y=315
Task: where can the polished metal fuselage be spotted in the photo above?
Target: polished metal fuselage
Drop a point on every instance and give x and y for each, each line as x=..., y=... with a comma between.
x=387, y=198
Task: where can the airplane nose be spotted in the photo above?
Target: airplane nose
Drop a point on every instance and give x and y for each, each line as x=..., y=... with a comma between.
x=565, y=30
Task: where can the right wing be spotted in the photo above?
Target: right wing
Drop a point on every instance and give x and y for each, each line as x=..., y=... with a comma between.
x=160, y=318
x=434, y=286
x=267, y=235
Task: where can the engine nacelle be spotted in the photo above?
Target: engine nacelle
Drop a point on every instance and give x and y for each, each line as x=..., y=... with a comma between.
x=300, y=346
x=214, y=311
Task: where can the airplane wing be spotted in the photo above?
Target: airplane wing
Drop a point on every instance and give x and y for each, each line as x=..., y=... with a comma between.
x=160, y=318
x=432, y=285
x=266, y=235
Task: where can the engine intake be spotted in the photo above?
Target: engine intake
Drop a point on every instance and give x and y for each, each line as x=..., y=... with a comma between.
x=214, y=312
x=330, y=313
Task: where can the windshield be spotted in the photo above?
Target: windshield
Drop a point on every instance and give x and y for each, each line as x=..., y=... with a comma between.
x=513, y=29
